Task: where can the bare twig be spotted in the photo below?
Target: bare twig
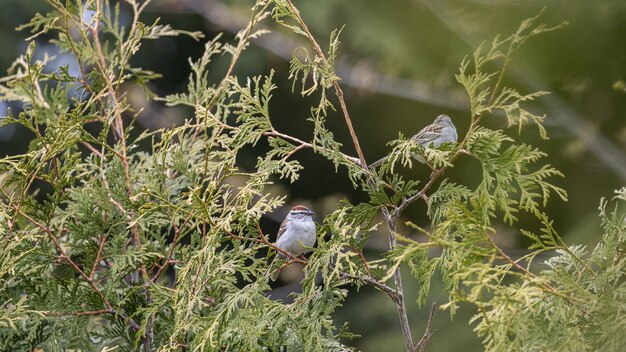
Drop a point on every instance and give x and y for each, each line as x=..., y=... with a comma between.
x=118, y=124
x=92, y=149
x=24, y=191
x=392, y=220
x=263, y=240
x=355, y=250
x=303, y=144
x=79, y=314
x=170, y=253
x=95, y=262
x=393, y=294
x=278, y=249
x=420, y=346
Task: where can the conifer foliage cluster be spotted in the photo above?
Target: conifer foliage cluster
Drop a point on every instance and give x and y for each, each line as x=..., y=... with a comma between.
x=115, y=238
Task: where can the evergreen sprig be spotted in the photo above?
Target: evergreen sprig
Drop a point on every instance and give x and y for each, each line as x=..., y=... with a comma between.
x=108, y=246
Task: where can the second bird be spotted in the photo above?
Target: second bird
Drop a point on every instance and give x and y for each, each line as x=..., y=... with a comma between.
x=441, y=131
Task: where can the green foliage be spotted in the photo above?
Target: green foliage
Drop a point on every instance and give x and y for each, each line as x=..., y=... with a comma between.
x=108, y=246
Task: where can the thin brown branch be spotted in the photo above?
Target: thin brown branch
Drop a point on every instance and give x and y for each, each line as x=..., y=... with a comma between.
x=243, y=43
x=24, y=191
x=278, y=249
x=362, y=259
x=407, y=201
x=338, y=90
x=263, y=240
x=77, y=55
x=119, y=133
x=170, y=253
x=374, y=283
x=95, y=262
x=169, y=260
x=92, y=149
x=118, y=124
x=303, y=144
x=197, y=274
x=40, y=96
x=78, y=314
x=437, y=173
x=420, y=346
x=392, y=219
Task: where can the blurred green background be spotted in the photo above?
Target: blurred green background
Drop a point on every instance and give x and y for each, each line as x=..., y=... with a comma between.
x=397, y=62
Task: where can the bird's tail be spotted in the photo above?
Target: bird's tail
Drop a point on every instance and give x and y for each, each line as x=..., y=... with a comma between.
x=378, y=162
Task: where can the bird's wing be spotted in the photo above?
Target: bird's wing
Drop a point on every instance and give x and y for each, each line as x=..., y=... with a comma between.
x=283, y=228
x=427, y=135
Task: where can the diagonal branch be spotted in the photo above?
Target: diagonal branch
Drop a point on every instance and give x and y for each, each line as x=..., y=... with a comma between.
x=303, y=144
x=428, y=333
x=393, y=294
x=336, y=85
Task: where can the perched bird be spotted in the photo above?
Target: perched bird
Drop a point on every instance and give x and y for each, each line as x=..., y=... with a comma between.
x=441, y=131
x=296, y=234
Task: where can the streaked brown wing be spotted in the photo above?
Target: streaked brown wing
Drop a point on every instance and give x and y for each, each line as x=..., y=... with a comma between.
x=427, y=135
x=283, y=228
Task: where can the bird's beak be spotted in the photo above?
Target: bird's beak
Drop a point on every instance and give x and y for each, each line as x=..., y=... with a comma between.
x=310, y=213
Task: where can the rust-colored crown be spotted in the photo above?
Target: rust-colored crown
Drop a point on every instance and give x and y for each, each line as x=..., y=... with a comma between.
x=300, y=209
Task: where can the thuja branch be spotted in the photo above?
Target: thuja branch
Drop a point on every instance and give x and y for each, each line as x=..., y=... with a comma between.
x=391, y=218
x=120, y=134
x=546, y=286
x=243, y=43
x=392, y=293
x=392, y=221
x=95, y=262
x=78, y=270
x=173, y=245
x=303, y=144
x=24, y=191
x=338, y=90
x=360, y=253
x=118, y=124
x=428, y=333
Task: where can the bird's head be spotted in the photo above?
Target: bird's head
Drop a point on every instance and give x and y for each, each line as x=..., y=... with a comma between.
x=443, y=120
x=300, y=213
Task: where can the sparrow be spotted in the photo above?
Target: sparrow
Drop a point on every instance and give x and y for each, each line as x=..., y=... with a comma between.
x=296, y=234
x=441, y=131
